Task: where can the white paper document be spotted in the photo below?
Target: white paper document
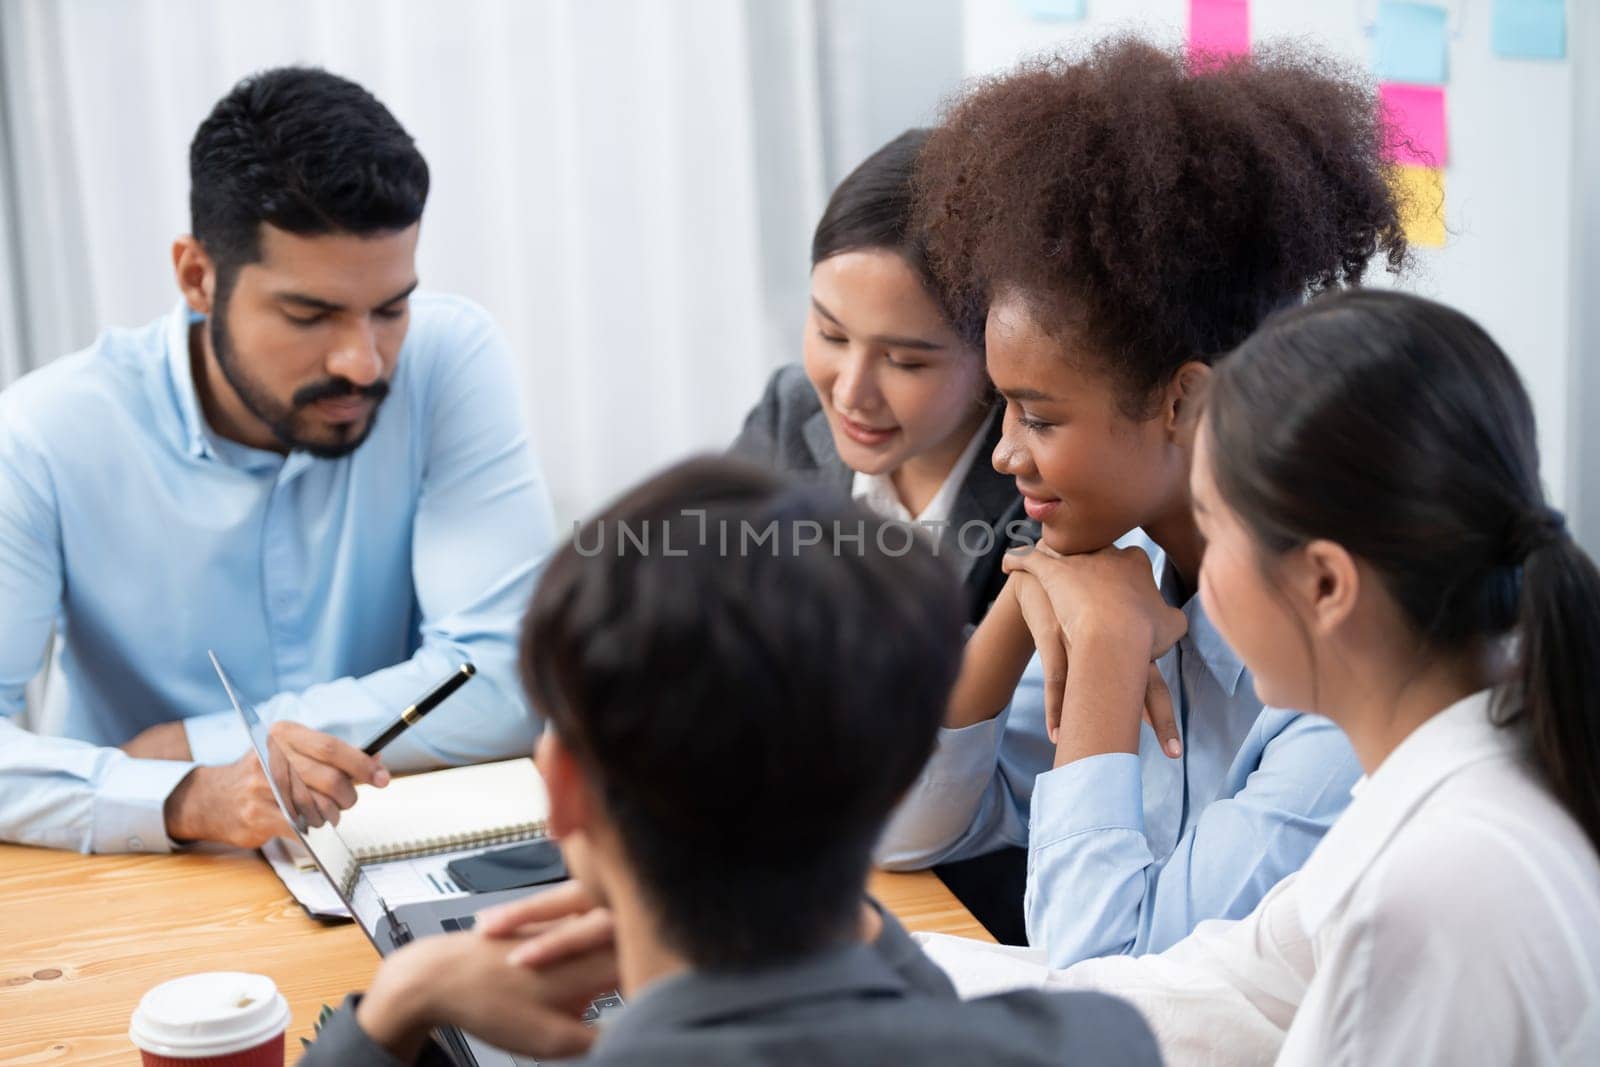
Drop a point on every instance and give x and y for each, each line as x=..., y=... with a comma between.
x=980, y=969
x=398, y=881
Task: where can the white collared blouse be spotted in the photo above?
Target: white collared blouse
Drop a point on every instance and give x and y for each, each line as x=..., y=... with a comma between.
x=877, y=491
x=1451, y=916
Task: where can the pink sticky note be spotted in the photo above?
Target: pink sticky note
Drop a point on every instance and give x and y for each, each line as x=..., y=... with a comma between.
x=1219, y=27
x=1416, y=114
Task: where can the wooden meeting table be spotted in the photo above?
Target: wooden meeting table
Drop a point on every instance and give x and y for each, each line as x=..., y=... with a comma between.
x=83, y=937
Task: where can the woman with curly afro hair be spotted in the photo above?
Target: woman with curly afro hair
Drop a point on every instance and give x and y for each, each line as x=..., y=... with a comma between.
x=1127, y=219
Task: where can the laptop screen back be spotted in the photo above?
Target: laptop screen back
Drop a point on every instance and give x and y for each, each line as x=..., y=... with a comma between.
x=333, y=857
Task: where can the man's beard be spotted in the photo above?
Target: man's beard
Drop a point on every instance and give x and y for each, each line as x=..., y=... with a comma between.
x=284, y=420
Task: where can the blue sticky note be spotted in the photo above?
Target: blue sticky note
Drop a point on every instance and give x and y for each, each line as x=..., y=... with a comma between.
x=1053, y=10
x=1529, y=29
x=1412, y=45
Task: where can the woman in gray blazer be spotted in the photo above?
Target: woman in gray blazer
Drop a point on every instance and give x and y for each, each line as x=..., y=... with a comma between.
x=891, y=403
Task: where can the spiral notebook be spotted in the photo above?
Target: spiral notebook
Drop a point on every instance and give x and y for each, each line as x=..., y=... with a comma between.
x=451, y=811
x=446, y=811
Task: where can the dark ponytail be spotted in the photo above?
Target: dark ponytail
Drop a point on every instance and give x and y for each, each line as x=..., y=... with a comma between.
x=1396, y=427
x=1559, y=628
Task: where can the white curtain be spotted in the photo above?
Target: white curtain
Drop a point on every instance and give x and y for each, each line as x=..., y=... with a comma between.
x=627, y=185
x=46, y=305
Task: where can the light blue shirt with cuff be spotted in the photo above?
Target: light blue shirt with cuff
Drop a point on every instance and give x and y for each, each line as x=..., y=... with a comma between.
x=335, y=591
x=1128, y=853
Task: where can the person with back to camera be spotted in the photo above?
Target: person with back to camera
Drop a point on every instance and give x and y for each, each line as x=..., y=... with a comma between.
x=728, y=728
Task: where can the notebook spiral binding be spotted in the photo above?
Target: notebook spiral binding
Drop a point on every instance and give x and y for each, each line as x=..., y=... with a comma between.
x=432, y=846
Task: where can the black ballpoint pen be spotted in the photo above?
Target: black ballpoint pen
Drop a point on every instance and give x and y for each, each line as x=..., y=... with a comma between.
x=415, y=712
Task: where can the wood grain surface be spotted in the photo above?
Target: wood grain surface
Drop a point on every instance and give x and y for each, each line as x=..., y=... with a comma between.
x=83, y=937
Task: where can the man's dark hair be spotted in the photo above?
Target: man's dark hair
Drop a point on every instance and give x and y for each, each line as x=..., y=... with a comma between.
x=752, y=687
x=1158, y=211
x=306, y=151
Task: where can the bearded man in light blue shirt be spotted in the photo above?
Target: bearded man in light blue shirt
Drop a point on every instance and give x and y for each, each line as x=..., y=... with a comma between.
x=307, y=466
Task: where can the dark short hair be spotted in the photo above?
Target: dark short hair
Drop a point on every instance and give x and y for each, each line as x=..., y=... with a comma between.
x=872, y=209
x=1397, y=428
x=751, y=713
x=303, y=150
x=1158, y=212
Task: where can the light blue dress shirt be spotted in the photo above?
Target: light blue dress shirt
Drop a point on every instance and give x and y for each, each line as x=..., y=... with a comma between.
x=1127, y=853
x=335, y=591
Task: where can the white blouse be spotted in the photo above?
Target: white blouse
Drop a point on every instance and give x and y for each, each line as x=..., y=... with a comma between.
x=877, y=491
x=1451, y=916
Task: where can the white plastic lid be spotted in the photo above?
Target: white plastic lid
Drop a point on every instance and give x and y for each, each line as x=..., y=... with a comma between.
x=208, y=1015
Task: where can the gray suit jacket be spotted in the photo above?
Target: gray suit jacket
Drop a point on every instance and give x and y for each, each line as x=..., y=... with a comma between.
x=884, y=1003
x=788, y=431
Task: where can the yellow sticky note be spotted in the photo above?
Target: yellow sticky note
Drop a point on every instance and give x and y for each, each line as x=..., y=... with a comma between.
x=1420, y=191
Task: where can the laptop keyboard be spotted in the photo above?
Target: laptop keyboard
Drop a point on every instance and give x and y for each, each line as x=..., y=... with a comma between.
x=607, y=1002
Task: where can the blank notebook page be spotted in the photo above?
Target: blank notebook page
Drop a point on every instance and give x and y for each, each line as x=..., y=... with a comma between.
x=441, y=811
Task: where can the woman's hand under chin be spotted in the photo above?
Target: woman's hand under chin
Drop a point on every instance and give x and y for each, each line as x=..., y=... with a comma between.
x=1112, y=590
x=1103, y=612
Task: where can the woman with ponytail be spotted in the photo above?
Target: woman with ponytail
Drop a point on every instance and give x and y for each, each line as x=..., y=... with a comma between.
x=1379, y=551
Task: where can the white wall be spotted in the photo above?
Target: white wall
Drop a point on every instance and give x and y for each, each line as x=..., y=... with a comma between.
x=887, y=66
x=1583, y=404
x=1510, y=190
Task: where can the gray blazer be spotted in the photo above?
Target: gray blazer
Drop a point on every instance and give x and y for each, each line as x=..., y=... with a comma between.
x=883, y=1003
x=788, y=431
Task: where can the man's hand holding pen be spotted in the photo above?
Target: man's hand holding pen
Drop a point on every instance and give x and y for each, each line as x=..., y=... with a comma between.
x=316, y=772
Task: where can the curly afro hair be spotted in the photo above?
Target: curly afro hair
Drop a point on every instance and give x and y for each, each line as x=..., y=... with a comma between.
x=1158, y=211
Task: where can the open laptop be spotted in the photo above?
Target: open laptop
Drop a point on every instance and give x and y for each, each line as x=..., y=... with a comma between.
x=387, y=928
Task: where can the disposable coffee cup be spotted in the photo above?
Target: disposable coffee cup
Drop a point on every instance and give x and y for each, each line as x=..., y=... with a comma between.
x=220, y=1019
